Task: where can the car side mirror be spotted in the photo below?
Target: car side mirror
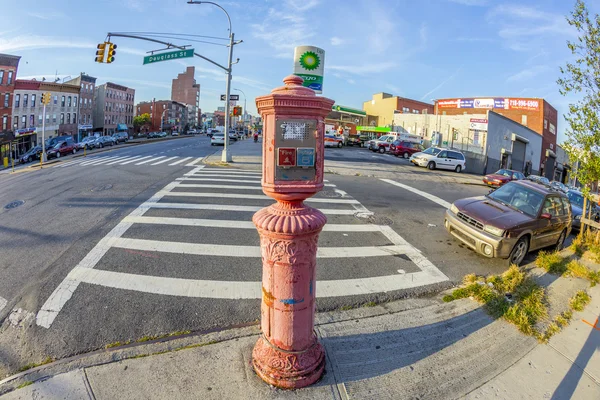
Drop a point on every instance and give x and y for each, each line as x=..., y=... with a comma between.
x=546, y=216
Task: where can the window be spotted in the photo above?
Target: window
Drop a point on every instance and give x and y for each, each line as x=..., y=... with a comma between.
x=33, y=100
x=62, y=101
x=40, y=120
x=47, y=118
x=25, y=100
x=69, y=101
x=415, y=111
x=545, y=124
x=10, y=76
x=553, y=206
x=4, y=120
x=443, y=154
x=62, y=118
x=17, y=100
x=54, y=118
x=552, y=129
x=524, y=120
x=31, y=120
x=6, y=100
x=68, y=118
x=75, y=101
x=55, y=100
x=24, y=122
x=74, y=118
x=1, y=77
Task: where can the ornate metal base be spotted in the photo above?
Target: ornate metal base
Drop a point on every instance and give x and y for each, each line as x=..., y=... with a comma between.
x=288, y=370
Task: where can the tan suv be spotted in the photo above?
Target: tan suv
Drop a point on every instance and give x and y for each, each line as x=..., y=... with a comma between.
x=512, y=220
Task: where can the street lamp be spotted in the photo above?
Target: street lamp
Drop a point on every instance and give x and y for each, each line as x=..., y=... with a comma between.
x=244, y=116
x=225, y=157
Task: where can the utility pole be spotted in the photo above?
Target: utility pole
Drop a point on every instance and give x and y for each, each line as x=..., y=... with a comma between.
x=45, y=101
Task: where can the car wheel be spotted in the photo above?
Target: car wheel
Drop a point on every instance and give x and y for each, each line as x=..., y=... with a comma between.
x=519, y=252
x=58, y=154
x=431, y=165
x=74, y=151
x=382, y=150
x=29, y=159
x=406, y=155
x=561, y=240
x=339, y=145
x=458, y=169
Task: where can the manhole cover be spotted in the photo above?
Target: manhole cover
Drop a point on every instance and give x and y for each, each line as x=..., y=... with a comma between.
x=101, y=188
x=330, y=193
x=379, y=220
x=14, y=204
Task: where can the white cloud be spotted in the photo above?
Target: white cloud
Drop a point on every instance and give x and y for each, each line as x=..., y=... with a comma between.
x=471, y=2
x=302, y=5
x=32, y=42
x=284, y=29
x=351, y=81
x=47, y=15
x=435, y=89
x=372, y=68
x=336, y=41
x=528, y=73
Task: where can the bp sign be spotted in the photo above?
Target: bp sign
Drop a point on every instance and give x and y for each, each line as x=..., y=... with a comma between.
x=309, y=62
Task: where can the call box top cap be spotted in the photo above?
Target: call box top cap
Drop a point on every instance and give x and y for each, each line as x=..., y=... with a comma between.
x=293, y=86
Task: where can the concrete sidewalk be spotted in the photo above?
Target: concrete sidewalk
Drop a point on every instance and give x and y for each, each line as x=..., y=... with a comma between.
x=408, y=349
x=248, y=155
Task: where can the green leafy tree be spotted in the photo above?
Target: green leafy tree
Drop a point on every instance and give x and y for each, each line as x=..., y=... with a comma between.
x=582, y=78
x=141, y=120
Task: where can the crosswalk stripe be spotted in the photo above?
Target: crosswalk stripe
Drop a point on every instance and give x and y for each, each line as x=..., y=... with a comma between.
x=214, y=223
x=134, y=160
x=219, y=180
x=193, y=163
x=123, y=159
x=206, y=185
x=223, y=250
x=152, y=159
x=229, y=171
x=226, y=207
x=66, y=164
x=93, y=160
x=164, y=161
x=224, y=175
x=99, y=160
x=235, y=169
x=255, y=197
x=114, y=159
x=180, y=161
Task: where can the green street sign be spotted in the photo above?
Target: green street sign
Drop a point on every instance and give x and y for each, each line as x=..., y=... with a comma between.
x=172, y=55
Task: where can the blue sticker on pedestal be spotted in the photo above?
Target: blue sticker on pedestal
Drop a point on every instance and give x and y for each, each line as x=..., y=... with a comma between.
x=305, y=157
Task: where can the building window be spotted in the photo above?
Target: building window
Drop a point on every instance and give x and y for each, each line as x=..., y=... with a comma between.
x=10, y=76
x=415, y=111
x=74, y=118
x=62, y=118
x=55, y=101
x=33, y=100
x=62, y=101
x=25, y=100
x=31, y=120
x=40, y=119
x=69, y=101
x=4, y=119
x=54, y=118
x=17, y=100
x=68, y=118
x=47, y=118
x=6, y=100
x=545, y=124
x=552, y=129
x=85, y=102
x=75, y=101
x=24, y=122
x=524, y=120
x=1, y=76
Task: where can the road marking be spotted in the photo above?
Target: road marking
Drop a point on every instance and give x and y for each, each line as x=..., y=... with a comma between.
x=257, y=197
x=193, y=163
x=232, y=170
x=225, y=207
x=229, y=172
x=224, y=175
x=214, y=223
x=164, y=161
x=180, y=161
x=3, y=303
x=152, y=159
x=428, y=196
x=225, y=250
x=134, y=160
x=67, y=164
x=67, y=287
x=114, y=159
x=219, y=180
x=205, y=185
x=94, y=160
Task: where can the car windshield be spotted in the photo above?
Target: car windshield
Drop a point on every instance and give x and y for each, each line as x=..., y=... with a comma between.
x=432, y=150
x=518, y=198
x=503, y=172
x=576, y=199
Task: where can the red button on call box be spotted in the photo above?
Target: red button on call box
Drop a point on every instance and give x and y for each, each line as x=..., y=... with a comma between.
x=286, y=157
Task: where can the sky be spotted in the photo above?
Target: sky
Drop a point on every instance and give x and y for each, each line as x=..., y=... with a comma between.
x=423, y=50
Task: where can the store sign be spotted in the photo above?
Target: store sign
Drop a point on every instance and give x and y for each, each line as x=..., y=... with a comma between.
x=309, y=63
x=89, y=126
x=483, y=103
x=491, y=103
x=478, y=124
x=23, y=132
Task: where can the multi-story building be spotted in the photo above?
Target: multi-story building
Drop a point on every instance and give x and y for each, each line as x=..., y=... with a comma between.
x=86, y=85
x=184, y=89
x=61, y=113
x=535, y=113
x=165, y=115
x=113, y=108
x=384, y=106
x=8, y=75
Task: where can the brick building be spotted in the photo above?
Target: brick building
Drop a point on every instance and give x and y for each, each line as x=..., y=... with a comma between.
x=218, y=119
x=113, y=108
x=87, y=85
x=8, y=75
x=534, y=113
x=384, y=106
x=165, y=115
x=184, y=89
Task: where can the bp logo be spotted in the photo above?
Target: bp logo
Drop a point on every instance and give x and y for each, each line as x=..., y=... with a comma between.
x=310, y=60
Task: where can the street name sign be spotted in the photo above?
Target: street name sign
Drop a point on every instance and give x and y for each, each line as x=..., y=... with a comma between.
x=172, y=55
x=234, y=97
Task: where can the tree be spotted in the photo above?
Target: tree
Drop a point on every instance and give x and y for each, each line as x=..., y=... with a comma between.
x=583, y=78
x=141, y=120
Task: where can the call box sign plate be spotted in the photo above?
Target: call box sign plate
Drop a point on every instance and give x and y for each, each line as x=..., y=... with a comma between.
x=305, y=157
x=286, y=157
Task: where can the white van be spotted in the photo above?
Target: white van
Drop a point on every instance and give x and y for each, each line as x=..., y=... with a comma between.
x=436, y=157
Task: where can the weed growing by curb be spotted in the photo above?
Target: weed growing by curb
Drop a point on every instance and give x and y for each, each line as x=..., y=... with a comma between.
x=556, y=264
x=25, y=384
x=579, y=301
x=26, y=367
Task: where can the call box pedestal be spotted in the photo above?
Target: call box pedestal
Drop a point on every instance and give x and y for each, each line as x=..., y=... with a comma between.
x=288, y=354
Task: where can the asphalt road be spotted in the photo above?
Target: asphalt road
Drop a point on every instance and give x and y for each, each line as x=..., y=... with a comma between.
x=145, y=240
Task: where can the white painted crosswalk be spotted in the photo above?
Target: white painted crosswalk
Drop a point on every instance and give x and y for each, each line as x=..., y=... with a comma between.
x=144, y=161
x=185, y=206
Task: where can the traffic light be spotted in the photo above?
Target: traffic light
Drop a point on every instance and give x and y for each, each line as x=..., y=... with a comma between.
x=110, y=57
x=237, y=110
x=100, y=52
x=46, y=98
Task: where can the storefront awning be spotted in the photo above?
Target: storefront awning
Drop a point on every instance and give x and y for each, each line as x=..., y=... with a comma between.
x=348, y=110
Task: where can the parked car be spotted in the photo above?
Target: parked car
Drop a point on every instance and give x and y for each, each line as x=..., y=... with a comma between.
x=381, y=144
x=539, y=179
x=404, y=148
x=576, y=200
x=333, y=141
x=192, y=132
x=50, y=143
x=174, y=133
x=510, y=221
x=121, y=137
x=233, y=135
x=501, y=177
x=88, y=142
x=162, y=134
x=356, y=140
x=218, y=139
x=103, y=141
x=33, y=154
x=62, y=148
x=435, y=157
x=559, y=186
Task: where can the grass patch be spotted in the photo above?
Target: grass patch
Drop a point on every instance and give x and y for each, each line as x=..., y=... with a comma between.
x=579, y=301
x=556, y=264
x=26, y=367
x=25, y=384
x=370, y=304
x=117, y=344
x=346, y=308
